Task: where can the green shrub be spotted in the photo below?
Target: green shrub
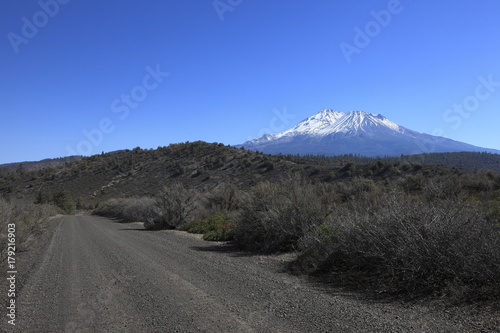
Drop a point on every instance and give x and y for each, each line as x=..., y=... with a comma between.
x=64, y=201
x=356, y=188
x=412, y=183
x=218, y=227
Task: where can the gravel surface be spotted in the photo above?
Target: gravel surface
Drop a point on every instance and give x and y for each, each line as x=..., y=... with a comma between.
x=96, y=275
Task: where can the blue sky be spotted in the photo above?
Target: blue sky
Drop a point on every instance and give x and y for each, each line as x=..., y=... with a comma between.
x=90, y=76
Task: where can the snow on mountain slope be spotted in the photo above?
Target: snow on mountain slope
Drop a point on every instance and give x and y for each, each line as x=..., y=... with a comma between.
x=356, y=132
x=328, y=122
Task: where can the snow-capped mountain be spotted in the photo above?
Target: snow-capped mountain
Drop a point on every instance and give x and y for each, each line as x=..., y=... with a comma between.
x=356, y=132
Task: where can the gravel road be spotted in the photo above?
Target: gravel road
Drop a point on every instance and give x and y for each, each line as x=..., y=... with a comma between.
x=96, y=275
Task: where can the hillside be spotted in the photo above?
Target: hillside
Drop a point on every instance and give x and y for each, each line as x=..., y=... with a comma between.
x=140, y=172
x=202, y=165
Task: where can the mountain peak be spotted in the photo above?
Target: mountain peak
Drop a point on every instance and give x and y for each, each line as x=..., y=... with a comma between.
x=360, y=121
x=318, y=122
x=327, y=122
x=330, y=132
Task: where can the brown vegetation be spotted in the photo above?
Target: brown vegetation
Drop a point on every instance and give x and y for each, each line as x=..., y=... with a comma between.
x=387, y=225
x=29, y=221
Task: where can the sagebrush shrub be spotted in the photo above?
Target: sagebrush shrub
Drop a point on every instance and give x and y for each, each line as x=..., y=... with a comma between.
x=275, y=216
x=225, y=197
x=143, y=210
x=29, y=222
x=177, y=204
x=419, y=246
x=171, y=208
x=113, y=208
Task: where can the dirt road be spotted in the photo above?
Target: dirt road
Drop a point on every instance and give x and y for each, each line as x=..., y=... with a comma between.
x=96, y=275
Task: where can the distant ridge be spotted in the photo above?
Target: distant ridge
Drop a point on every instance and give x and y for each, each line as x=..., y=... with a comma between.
x=37, y=165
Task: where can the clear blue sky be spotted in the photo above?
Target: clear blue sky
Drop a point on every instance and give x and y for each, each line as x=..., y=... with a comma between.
x=235, y=67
